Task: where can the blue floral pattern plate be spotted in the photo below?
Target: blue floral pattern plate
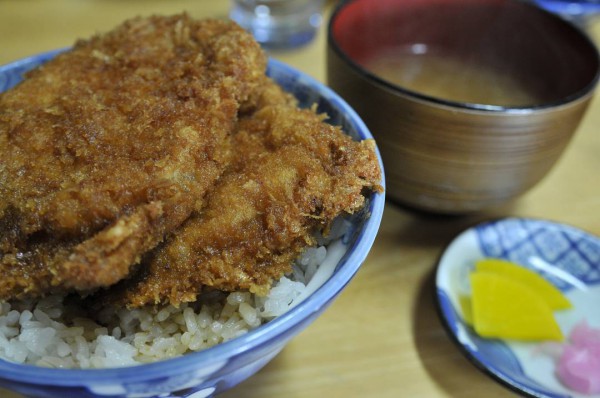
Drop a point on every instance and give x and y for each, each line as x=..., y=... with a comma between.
x=566, y=256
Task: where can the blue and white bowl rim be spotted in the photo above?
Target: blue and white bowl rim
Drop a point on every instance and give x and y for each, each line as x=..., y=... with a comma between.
x=252, y=340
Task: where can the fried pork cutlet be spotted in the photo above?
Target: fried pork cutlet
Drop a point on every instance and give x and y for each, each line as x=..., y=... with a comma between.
x=291, y=175
x=109, y=147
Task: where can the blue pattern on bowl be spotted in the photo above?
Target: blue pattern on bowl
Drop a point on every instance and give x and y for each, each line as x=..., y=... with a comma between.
x=527, y=242
x=214, y=370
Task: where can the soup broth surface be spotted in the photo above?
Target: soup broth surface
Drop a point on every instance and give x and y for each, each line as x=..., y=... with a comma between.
x=449, y=78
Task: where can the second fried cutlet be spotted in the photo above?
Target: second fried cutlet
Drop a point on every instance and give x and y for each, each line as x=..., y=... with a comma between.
x=291, y=175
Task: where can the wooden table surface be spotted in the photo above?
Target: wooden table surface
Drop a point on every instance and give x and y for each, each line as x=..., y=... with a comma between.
x=382, y=336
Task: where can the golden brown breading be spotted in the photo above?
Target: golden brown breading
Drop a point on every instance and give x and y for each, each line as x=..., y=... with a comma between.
x=165, y=130
x=110, y=146
x=291, y=175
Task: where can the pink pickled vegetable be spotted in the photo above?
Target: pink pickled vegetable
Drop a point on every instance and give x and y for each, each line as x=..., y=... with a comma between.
x=579, y=363
x=583, y=334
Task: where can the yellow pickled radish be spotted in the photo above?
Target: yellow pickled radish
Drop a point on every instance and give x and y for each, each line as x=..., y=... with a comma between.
x=547, y=291
x=507, y=309
x=466, y=308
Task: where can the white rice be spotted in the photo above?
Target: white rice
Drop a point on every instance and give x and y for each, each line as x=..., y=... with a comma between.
x=51, y=332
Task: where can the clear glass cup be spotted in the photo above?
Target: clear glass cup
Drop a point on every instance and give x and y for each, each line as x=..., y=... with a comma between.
x=279, y=24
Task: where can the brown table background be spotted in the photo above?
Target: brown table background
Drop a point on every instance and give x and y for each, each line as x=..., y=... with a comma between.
x=382, y=336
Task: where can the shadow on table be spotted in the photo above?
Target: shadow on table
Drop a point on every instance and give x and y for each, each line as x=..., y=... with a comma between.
x=441, y=358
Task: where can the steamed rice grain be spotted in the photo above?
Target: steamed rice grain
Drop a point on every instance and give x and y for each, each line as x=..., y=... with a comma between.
x=53, y=332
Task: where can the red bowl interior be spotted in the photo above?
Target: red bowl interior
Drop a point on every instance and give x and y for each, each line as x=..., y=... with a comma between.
x=547, y=55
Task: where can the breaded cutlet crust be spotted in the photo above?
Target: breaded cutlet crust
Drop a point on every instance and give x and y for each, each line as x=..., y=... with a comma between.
x=110, y=146
x=291, y=175
x=156, y=161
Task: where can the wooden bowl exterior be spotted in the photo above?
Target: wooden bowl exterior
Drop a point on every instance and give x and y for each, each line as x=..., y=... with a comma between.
x=452, y=159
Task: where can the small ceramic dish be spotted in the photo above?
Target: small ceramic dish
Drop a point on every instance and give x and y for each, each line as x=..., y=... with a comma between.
x=566, y=256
